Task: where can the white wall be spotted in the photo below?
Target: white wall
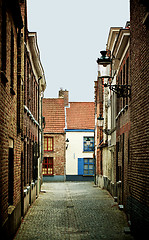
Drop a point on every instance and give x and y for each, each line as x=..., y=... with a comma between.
x=75, y=151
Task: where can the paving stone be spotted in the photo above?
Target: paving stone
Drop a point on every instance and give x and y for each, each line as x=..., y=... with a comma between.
x=73, y=211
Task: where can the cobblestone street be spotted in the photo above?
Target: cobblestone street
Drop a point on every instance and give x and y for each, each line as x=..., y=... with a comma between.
x=73, y=210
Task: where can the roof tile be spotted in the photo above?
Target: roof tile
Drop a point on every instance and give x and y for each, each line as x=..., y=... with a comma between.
x=54, y=113
x=80, y=115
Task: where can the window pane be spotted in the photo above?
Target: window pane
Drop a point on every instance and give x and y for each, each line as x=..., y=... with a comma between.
x=50, y=171
x=86, y=166
x=91, y=172
x=50, y=161
x=45, y=144
x=91, y=160
x=50, y=141
x=44, y=170
x=91, y=166
x=85, y=171
x=85, y=160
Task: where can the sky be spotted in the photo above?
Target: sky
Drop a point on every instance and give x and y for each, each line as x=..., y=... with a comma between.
x=70, y=35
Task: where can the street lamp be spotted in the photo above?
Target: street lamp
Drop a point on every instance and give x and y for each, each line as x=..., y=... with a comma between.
x=100, y=120
x=105, y=69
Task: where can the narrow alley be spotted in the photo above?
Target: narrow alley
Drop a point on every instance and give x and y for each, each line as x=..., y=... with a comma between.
x=73, y=210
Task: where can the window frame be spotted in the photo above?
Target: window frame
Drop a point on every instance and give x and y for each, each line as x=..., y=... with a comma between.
x=47, y=166
x=46, y=150
x=88, y=163
x=88, y=148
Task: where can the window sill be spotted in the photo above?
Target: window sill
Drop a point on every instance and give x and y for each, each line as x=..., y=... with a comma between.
x=49, y=175
x=88, y=175
x=88, y=151
x=48, y=151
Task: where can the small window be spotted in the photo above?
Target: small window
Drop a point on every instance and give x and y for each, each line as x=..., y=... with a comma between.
x=88, y=144
x=47, y=166
x=48, y=144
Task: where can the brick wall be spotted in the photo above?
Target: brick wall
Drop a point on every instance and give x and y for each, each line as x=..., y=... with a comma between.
x=122, y=131
x=139, y=137
x=58, y=153
x=98, y=132
x=10, y=164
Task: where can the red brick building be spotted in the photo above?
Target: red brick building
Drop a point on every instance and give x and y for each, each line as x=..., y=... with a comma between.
x=10, y=128
x=21, y=85
x=122, y=52
x=98, y=129
x=53, y=166
x=112, y=138
x=138, y=181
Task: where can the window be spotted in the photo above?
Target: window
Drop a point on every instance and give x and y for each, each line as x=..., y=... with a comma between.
x=47, y=166
x=86, y=166
x=88, y=144
x=48, y=144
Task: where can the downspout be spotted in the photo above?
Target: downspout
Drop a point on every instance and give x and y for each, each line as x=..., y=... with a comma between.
x=41, y=132
x=39, y=114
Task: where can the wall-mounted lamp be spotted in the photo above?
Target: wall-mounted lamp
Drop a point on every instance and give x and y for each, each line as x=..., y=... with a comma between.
x=67, y=143
x=100, y=120
x=105, y=69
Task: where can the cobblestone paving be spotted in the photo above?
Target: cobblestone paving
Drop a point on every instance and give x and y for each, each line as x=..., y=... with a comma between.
x=73, y=211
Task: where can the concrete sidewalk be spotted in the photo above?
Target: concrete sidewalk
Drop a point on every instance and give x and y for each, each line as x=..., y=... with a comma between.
x=73, y=210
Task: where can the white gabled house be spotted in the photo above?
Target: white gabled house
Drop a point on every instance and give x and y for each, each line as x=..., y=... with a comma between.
x=79, y=130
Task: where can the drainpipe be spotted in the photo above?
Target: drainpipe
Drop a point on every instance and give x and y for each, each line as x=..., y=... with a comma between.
x=39, y=114
x=42, y=128
x=38, y=168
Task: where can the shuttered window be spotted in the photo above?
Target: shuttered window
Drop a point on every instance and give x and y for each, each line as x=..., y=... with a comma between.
x=86, y=166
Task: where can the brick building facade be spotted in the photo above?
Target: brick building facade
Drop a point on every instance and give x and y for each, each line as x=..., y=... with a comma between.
x=138, y=181
x=99, y=90
x=112, y=137
x=122, y=52
x=128, y=140
x=53, y=167
x=20, y=115
x=10, y=129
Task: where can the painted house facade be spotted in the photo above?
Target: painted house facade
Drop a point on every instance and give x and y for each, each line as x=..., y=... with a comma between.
x=79, y=130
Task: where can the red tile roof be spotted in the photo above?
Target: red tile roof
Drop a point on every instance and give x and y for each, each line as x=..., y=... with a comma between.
x=54, y=113
x=80, y=115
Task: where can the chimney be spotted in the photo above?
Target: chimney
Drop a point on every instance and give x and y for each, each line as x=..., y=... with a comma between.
x=64, y=94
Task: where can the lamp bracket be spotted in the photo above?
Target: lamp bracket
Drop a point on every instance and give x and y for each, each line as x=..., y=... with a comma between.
x=121, y=90
x=107, y=131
